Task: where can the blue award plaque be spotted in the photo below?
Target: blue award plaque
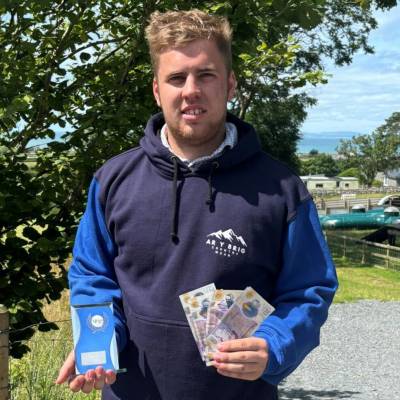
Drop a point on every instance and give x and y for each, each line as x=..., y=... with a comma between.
x=95, y=341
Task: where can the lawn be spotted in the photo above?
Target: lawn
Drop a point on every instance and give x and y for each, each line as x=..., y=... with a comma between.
x=359, y=282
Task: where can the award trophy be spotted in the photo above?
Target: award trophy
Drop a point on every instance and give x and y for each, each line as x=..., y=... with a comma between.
x=94, y=336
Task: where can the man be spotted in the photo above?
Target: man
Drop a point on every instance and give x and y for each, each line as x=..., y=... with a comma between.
x=149, y=234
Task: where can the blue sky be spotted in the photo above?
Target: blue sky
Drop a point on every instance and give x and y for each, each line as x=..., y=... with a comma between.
x=359, y=97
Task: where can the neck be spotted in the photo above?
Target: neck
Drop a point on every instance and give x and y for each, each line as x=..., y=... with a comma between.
x=188, y=149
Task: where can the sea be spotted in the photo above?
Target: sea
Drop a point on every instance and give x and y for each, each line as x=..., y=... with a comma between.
x=324, y=142
x=323, y=145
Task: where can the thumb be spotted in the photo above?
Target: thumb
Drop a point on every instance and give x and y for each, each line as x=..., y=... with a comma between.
x=67, y=369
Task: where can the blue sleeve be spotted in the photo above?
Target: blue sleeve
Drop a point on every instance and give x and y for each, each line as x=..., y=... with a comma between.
x=303, y=293
x=91, y=275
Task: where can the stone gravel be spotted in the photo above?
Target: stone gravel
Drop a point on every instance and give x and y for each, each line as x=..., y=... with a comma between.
x=358, y=358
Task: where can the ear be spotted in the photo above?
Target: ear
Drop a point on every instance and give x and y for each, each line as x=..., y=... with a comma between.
x=232, y=83
x=156, y=91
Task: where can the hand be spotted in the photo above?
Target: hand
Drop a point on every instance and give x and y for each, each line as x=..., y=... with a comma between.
x=242, y=358
x=92, y=379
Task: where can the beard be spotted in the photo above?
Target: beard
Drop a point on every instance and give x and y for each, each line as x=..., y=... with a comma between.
x=197, y=134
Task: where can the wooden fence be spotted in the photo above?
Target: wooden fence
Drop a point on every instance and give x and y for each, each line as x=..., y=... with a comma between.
x=326, y=206
x=384, y=190
x=4, y=326
x=363, y=252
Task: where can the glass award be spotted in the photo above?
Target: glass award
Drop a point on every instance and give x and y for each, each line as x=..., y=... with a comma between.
x=94, y=337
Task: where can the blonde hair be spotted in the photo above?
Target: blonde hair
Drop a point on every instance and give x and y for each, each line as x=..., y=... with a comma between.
x=173, y=29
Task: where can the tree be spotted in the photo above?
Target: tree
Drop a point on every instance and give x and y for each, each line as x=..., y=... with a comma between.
x=378, y=151
x=81, y=67
x=278, y=122
x=321, y=164
x=353, y=172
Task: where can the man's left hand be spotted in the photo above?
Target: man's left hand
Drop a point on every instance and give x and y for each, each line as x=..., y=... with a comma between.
x=242, y=358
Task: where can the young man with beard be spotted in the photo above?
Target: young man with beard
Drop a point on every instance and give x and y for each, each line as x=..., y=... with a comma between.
x=143, y=239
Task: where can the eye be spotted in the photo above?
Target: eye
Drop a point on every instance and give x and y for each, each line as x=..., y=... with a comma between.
x=176, y=79
x=206, y=75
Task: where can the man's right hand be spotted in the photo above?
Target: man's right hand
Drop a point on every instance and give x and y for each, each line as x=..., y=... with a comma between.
x=94, y=379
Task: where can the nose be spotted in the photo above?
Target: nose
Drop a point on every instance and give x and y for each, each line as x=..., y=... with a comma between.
x=191, y=89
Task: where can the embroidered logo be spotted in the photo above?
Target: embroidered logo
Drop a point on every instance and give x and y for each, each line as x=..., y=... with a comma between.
x=226, y=243
x=97, y=322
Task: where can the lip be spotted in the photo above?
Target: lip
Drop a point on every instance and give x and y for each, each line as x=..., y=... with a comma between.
x=194, y=117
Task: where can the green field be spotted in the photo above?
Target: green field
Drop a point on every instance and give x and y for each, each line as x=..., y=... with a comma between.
x=359, y=282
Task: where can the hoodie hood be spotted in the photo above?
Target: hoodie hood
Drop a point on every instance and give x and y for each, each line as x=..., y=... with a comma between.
x=248, y=145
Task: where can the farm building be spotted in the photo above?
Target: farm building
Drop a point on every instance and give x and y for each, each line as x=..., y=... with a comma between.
x=315, y=182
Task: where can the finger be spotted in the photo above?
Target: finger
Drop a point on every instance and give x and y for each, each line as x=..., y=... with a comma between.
x=247, y=344
x=240, y=357
x=77, y=383
x=100, y=378
x=88, y=386
x=67, y=369
x=238, y=368
x=111, y=377
x=251, y=376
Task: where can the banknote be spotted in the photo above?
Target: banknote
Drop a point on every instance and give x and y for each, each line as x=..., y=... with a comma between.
x=240, y=321
x=192, y=305
x=220, y=304
x=199, y=315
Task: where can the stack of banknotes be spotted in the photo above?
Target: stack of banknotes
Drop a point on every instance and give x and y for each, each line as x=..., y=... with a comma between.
x=217, y=315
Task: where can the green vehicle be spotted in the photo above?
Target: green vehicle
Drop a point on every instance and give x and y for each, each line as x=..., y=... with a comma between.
x=361, y=219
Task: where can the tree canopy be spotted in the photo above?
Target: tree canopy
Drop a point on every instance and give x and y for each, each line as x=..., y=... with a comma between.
x=320, y=164
x=82, y=68
x=375, y=152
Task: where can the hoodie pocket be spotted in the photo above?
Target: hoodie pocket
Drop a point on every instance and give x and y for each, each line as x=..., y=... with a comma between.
x=171, y=363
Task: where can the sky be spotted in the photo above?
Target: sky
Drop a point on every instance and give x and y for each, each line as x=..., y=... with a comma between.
x=359, y=97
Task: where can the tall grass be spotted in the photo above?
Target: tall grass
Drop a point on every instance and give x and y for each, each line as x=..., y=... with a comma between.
x=33, y=376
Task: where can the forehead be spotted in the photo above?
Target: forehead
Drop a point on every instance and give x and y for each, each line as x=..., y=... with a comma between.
x=199, y=54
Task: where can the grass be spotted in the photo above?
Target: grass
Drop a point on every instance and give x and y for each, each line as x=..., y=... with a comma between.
x=32, y=377
x=359, y=282
x=354, y=233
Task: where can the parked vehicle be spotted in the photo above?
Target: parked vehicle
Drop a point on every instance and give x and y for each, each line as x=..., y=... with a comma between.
x=361, y=219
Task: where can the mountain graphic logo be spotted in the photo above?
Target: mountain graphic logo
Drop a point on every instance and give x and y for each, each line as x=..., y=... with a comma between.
x=226, y=243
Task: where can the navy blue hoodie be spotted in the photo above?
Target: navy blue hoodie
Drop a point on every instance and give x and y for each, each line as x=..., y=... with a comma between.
x=154, y=229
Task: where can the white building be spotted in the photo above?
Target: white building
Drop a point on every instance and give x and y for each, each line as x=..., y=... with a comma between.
x=315, y=182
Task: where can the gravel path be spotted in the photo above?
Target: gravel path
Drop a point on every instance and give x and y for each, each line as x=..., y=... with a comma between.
x=359, y=356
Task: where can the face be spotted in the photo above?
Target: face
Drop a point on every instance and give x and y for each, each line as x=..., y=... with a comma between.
x=193, y=87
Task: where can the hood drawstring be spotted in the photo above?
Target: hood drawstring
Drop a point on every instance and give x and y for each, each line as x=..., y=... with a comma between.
x=174, y=230
x=214, y=166
x=209, y=202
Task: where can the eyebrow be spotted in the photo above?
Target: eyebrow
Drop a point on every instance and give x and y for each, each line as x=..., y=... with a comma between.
x=200, y=70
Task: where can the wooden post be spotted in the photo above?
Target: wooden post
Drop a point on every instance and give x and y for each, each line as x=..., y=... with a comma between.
x=363, y=253
x=323, y=205
x=387, y=258
x=4, y=326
